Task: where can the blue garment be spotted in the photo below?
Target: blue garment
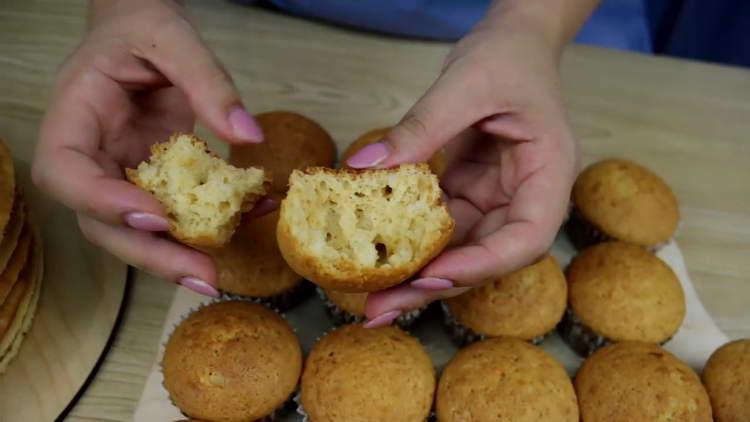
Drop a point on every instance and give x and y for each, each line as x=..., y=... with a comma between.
x=617, y=24
x=712, y=30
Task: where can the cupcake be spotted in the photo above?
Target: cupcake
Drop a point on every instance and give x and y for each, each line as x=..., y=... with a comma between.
x=231, y=361
x=618, y=292
x=436, y=162
x=360, y=231
x=634, y=381
x=252, y=266
x=621, y=200
x=360, y=374
x=526, y=304
x=727, y=380
x=505, y=379
x=291, y=141
x=348, y=308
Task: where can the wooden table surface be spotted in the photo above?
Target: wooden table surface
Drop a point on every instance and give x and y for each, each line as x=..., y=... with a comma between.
x=690, y=122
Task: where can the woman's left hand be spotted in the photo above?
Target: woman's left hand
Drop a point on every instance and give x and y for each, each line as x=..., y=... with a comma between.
x=497, y=110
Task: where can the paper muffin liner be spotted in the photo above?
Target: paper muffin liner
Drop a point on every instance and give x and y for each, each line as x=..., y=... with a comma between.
x=283, y=301
x=286, y=407
x=462, y=335
x=583, y=233
x=432, y=417
x=582, y=339
x=341, y=317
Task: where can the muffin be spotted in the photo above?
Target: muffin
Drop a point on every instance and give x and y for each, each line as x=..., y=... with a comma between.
x=505, y=379
x=202, y=194
x=231, y=361
x=436, y=162
x=618, y=292
x=361, y=374
x=621, y=200
x=361, y=231
x=18, y=261
x=634, y=381
x=727, y=380
x=526, y=304
x=348, y=308
x=251, y=265
x=18, y=308
x=291, y=141
x=7, y=186
x=13, y=231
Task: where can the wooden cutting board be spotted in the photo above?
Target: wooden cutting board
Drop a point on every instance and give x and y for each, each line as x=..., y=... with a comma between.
x=81, y=296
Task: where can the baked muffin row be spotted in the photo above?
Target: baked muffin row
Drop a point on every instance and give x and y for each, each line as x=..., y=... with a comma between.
x=615, y=292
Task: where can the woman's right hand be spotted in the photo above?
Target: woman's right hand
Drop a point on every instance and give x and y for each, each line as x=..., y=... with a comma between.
x=141, y=73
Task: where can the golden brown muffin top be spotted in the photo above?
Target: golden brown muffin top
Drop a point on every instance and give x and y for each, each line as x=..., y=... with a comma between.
x=524, y=304
x=634, y=381
x=727, y=380
x=231, y=361
x=623, y=292
x=353, y=303
x=627, y=201
x=291, y=141
x=436, y=162
x=359, y=374
x=251, y=264
x=505, y=379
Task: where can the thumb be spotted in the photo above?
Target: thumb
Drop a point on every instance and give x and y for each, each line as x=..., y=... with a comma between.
x=443, y=112
x=178, y=52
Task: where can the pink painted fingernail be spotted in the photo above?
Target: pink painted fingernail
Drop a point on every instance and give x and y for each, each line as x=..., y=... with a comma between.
x=146, y=221
x=264, y=206
x=244, y=127
x=369, y=156
x=382, y=319
x=432, y=283
x=199, y=286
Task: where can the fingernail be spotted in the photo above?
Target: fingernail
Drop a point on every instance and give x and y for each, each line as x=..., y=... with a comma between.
x=146, y=221
x=382, y=319
x=199, y=286
x=264, y=206
x=369, y=156
x=244, y=127
x=432, y=283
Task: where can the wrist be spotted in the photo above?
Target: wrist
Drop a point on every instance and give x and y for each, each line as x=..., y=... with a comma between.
x=552, y=22
x=100, y=10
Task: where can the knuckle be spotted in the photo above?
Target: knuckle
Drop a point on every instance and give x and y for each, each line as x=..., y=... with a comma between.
x=170, y=28
x=413, y=126
x=87, y=205
x=217, y=78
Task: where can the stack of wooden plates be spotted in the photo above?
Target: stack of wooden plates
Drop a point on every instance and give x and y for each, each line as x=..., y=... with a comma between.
x=21, y=263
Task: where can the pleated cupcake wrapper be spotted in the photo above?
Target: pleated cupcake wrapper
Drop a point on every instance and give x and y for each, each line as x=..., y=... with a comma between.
x=341, y=317
x=582, y=339
x=301, y=411
x=274, y=416
x=286, y=406
x=463, y=336
x=584, y=234
x=283, y=301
